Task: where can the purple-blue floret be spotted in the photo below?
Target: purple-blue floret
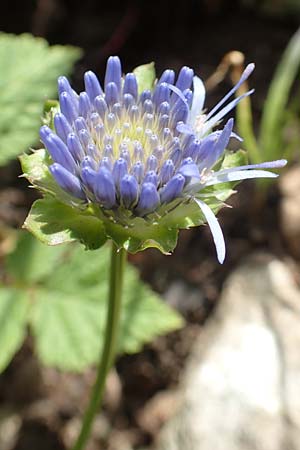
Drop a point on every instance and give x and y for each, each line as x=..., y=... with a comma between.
x=121, y=149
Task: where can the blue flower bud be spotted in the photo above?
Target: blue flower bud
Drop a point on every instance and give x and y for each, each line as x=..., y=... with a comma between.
x=64, y=86
x=188, y=94
x=100, y=105
x=145, y=95
x=138, y=171
x=189, y=170
x=88, y=162
x=67, y=181
x=111, y=94
x=148, y=106
x=149, y=199
x=88, y=176
x=128, y=100
x=84, y=106
x=172, y=189
x=62, y=126
x=151, y=177
x=119, y=170
x=75, y=147
x=168, y=76
x=152, y=163
x=164, y=108
x=185, y=78
x=161, y=94
x=59, y=152
x=68, y=107
x=113, y=73
x=106, y=162
x=92, y=85
x=167, y=171
x=80, y=124
x=128, y=190
x=44, y=132
x=130, y=85
x=192, y=149
x=104, y=188
x=84, y=137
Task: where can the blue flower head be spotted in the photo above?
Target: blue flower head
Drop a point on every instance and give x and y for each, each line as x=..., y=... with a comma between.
x=137, y=156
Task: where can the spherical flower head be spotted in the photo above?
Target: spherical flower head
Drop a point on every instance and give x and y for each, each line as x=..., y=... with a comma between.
x=139, y=156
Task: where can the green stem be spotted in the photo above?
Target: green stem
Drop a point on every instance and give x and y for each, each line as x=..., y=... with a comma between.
x=118, y=258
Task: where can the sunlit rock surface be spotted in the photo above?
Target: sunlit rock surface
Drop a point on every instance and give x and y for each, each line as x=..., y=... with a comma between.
x=241, y=389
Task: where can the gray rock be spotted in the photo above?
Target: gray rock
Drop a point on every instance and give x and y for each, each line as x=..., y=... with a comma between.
x=289, y=213
x=241, y=390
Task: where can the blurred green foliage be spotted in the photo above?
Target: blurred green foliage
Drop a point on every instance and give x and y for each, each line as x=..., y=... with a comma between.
x=279, y=128
x=60, y=293
x=29, y=68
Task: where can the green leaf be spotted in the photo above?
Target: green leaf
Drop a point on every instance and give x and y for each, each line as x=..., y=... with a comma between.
x=13, y=320
x=272, y=121
x=145, y=75
x=29, y=68
x=31, y=261
x=54, y=223
x=69, y=316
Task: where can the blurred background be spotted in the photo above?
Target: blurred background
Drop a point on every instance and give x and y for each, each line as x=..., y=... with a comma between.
x=229, y=378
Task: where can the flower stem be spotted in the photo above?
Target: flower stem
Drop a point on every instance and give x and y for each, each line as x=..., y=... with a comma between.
x=118, y=258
